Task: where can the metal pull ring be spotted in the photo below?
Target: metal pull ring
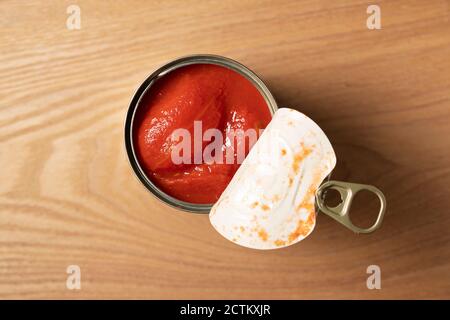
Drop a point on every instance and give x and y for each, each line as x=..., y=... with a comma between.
x=348, y=191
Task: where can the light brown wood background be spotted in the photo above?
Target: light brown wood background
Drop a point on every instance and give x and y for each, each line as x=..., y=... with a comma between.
x=68, y=195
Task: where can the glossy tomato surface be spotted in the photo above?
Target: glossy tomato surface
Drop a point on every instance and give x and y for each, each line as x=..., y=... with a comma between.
x=218, y=97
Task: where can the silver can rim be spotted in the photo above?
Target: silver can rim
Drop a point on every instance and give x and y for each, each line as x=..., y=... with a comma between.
x=140, y=93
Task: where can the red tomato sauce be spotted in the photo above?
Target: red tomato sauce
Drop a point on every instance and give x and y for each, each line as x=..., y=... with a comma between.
x=219, y=97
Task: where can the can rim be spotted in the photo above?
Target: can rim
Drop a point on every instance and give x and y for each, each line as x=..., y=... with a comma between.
x=140, y=93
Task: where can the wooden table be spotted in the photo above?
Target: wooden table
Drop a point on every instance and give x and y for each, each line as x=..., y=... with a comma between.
x=69, y=197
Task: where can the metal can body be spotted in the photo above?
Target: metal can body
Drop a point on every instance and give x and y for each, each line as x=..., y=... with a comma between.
x=140, y=93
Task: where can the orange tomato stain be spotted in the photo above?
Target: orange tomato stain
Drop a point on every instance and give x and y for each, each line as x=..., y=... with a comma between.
x=304, y=205
x=303, y=228
x=311, y=193
x=291, y=181
x=311, y=219
x=298, y=158
x=263, y=234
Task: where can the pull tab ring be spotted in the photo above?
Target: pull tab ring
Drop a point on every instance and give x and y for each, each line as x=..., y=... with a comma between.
x=348, y=191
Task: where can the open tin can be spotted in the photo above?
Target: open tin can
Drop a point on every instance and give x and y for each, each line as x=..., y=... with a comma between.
x=147, y=84
x=347, y=190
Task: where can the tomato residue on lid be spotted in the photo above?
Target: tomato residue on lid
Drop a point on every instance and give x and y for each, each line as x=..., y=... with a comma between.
x=218, y=97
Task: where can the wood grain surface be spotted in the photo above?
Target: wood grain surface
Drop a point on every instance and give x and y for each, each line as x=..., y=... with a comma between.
x=69, y=197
